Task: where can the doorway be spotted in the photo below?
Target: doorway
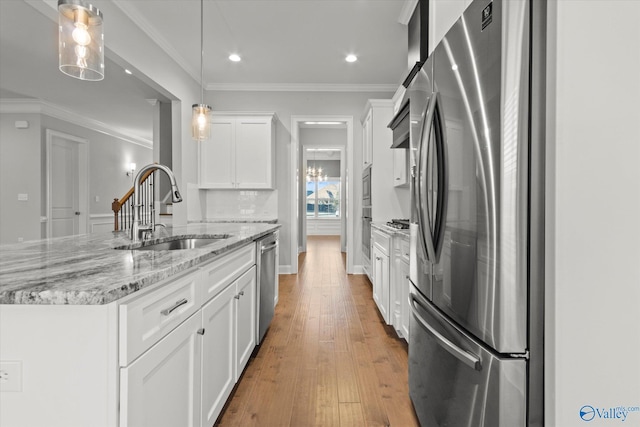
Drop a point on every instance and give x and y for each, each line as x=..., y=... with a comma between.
x=67, y=186
x=324, y=198
x=298, y=186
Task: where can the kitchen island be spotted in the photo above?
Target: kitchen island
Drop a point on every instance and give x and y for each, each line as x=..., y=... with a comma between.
x=94, y=335
x=86, y=269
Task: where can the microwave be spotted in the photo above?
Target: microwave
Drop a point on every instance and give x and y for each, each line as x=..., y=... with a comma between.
x=366, y=186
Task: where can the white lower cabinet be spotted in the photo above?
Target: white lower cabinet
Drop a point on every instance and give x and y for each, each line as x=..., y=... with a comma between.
x=381, y=282
x=380, y=270
x=402, y=300
x=229, y=331
x=185, y=377
x=162, y=387
x=245, y=319
x=390, y=278
x=218, y=353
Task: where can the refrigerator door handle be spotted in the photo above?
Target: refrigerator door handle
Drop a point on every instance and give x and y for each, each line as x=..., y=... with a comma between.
x=426, y=234
x=464, y=356
x=440, y=141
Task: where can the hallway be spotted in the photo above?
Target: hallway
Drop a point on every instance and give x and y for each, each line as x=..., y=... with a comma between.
x=328, y=359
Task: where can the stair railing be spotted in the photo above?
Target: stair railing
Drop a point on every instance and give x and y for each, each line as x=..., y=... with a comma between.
x=123, y=208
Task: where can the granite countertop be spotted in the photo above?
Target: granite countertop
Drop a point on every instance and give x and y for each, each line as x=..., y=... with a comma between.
x=87, y=270
x=382, y=226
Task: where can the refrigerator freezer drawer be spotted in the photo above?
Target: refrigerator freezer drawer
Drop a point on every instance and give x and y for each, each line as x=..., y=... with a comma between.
x=454, y=381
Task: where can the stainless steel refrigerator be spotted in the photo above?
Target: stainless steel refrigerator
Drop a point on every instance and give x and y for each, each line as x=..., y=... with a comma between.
x=477, y=231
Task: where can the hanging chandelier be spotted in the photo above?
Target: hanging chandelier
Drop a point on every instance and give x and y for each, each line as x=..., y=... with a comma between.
x=201, y=123
x=80, y=40
x=313, y=173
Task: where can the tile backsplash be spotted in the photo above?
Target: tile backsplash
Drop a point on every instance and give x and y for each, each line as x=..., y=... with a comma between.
x=239, y=204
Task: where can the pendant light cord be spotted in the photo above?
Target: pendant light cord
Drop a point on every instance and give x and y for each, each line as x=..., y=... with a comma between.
x=201, y=51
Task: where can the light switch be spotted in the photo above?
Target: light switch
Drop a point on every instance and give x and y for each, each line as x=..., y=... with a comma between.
x=23, y=197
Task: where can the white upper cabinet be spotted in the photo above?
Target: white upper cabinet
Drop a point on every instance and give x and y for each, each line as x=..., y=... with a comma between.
x=240, y=153
x=367, y=139
x=400, y=170
x=442, y=15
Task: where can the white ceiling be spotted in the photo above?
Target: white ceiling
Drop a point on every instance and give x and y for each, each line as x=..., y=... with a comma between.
x=285, y=44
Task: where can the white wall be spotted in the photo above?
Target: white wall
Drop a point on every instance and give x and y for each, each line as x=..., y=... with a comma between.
x=20, y=173
x=286, y=104
x=109, y=158
x=593, y=211
x=23, y=170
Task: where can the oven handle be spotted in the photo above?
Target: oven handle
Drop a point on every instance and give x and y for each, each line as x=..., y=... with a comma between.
x=469, y=359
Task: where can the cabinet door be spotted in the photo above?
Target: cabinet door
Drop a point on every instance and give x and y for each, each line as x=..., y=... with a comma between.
x=245, y=318
x=400, y=176
x=218, y=353
x=403, y=288
x=381, y=282
x=367, y=139
x=162, y=387
x=217, y=156
x=254, y=151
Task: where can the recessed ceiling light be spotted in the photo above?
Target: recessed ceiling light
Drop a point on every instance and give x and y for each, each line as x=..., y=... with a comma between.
x=234, y=57
x=351, y=58
x=128, y=71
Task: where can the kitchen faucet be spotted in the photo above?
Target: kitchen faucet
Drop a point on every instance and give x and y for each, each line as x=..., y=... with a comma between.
x=138, y=229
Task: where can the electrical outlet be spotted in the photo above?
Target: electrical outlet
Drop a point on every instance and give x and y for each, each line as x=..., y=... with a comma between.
x=11, y=376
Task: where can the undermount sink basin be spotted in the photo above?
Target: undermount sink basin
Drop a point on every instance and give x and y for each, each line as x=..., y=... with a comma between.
x=176, y=243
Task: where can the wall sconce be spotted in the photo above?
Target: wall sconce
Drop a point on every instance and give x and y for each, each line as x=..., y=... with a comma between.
x=81, y=41
x=132, y=169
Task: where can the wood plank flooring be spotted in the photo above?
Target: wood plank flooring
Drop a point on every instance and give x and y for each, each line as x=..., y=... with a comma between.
x=328, y=359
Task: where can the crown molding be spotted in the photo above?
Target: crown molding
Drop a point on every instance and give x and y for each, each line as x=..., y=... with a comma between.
x=300, y=87
x=26, y=106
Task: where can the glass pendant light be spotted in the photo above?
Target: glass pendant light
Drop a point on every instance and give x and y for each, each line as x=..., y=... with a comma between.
x=201, y=122
x=81, y=40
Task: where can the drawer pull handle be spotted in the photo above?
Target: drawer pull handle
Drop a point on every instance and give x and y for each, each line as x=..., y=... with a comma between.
x=167, y=311
x=237, y=296
x=241, y=293
x=201, y=331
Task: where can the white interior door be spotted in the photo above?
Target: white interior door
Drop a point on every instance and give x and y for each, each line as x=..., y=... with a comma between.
x=67, y=184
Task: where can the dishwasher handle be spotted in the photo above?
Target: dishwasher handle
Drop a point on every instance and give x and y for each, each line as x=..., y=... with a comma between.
x=268, y=248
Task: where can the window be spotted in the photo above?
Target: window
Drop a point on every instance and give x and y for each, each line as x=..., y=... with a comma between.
x=323, y=198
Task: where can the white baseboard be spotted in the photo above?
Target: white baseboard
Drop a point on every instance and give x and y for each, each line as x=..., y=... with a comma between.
x=285, y=269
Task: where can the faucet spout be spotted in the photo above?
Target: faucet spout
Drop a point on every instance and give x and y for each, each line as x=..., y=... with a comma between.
x=137, y=228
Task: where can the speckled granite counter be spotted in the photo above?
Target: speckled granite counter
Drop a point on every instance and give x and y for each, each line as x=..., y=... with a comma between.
x=390, y=230
x=88, y=270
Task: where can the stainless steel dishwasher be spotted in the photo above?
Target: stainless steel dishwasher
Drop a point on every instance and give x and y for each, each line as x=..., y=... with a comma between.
x=266, y=267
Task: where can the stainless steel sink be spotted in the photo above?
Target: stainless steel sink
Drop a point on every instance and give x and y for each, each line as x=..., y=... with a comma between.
x=176, y=243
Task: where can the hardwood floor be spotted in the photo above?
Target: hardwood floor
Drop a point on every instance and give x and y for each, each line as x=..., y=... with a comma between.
x=328, y=359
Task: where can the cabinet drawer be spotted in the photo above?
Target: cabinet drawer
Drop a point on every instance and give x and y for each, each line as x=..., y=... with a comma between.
x=148, y=318
x=219, y=273
x=381, y=240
